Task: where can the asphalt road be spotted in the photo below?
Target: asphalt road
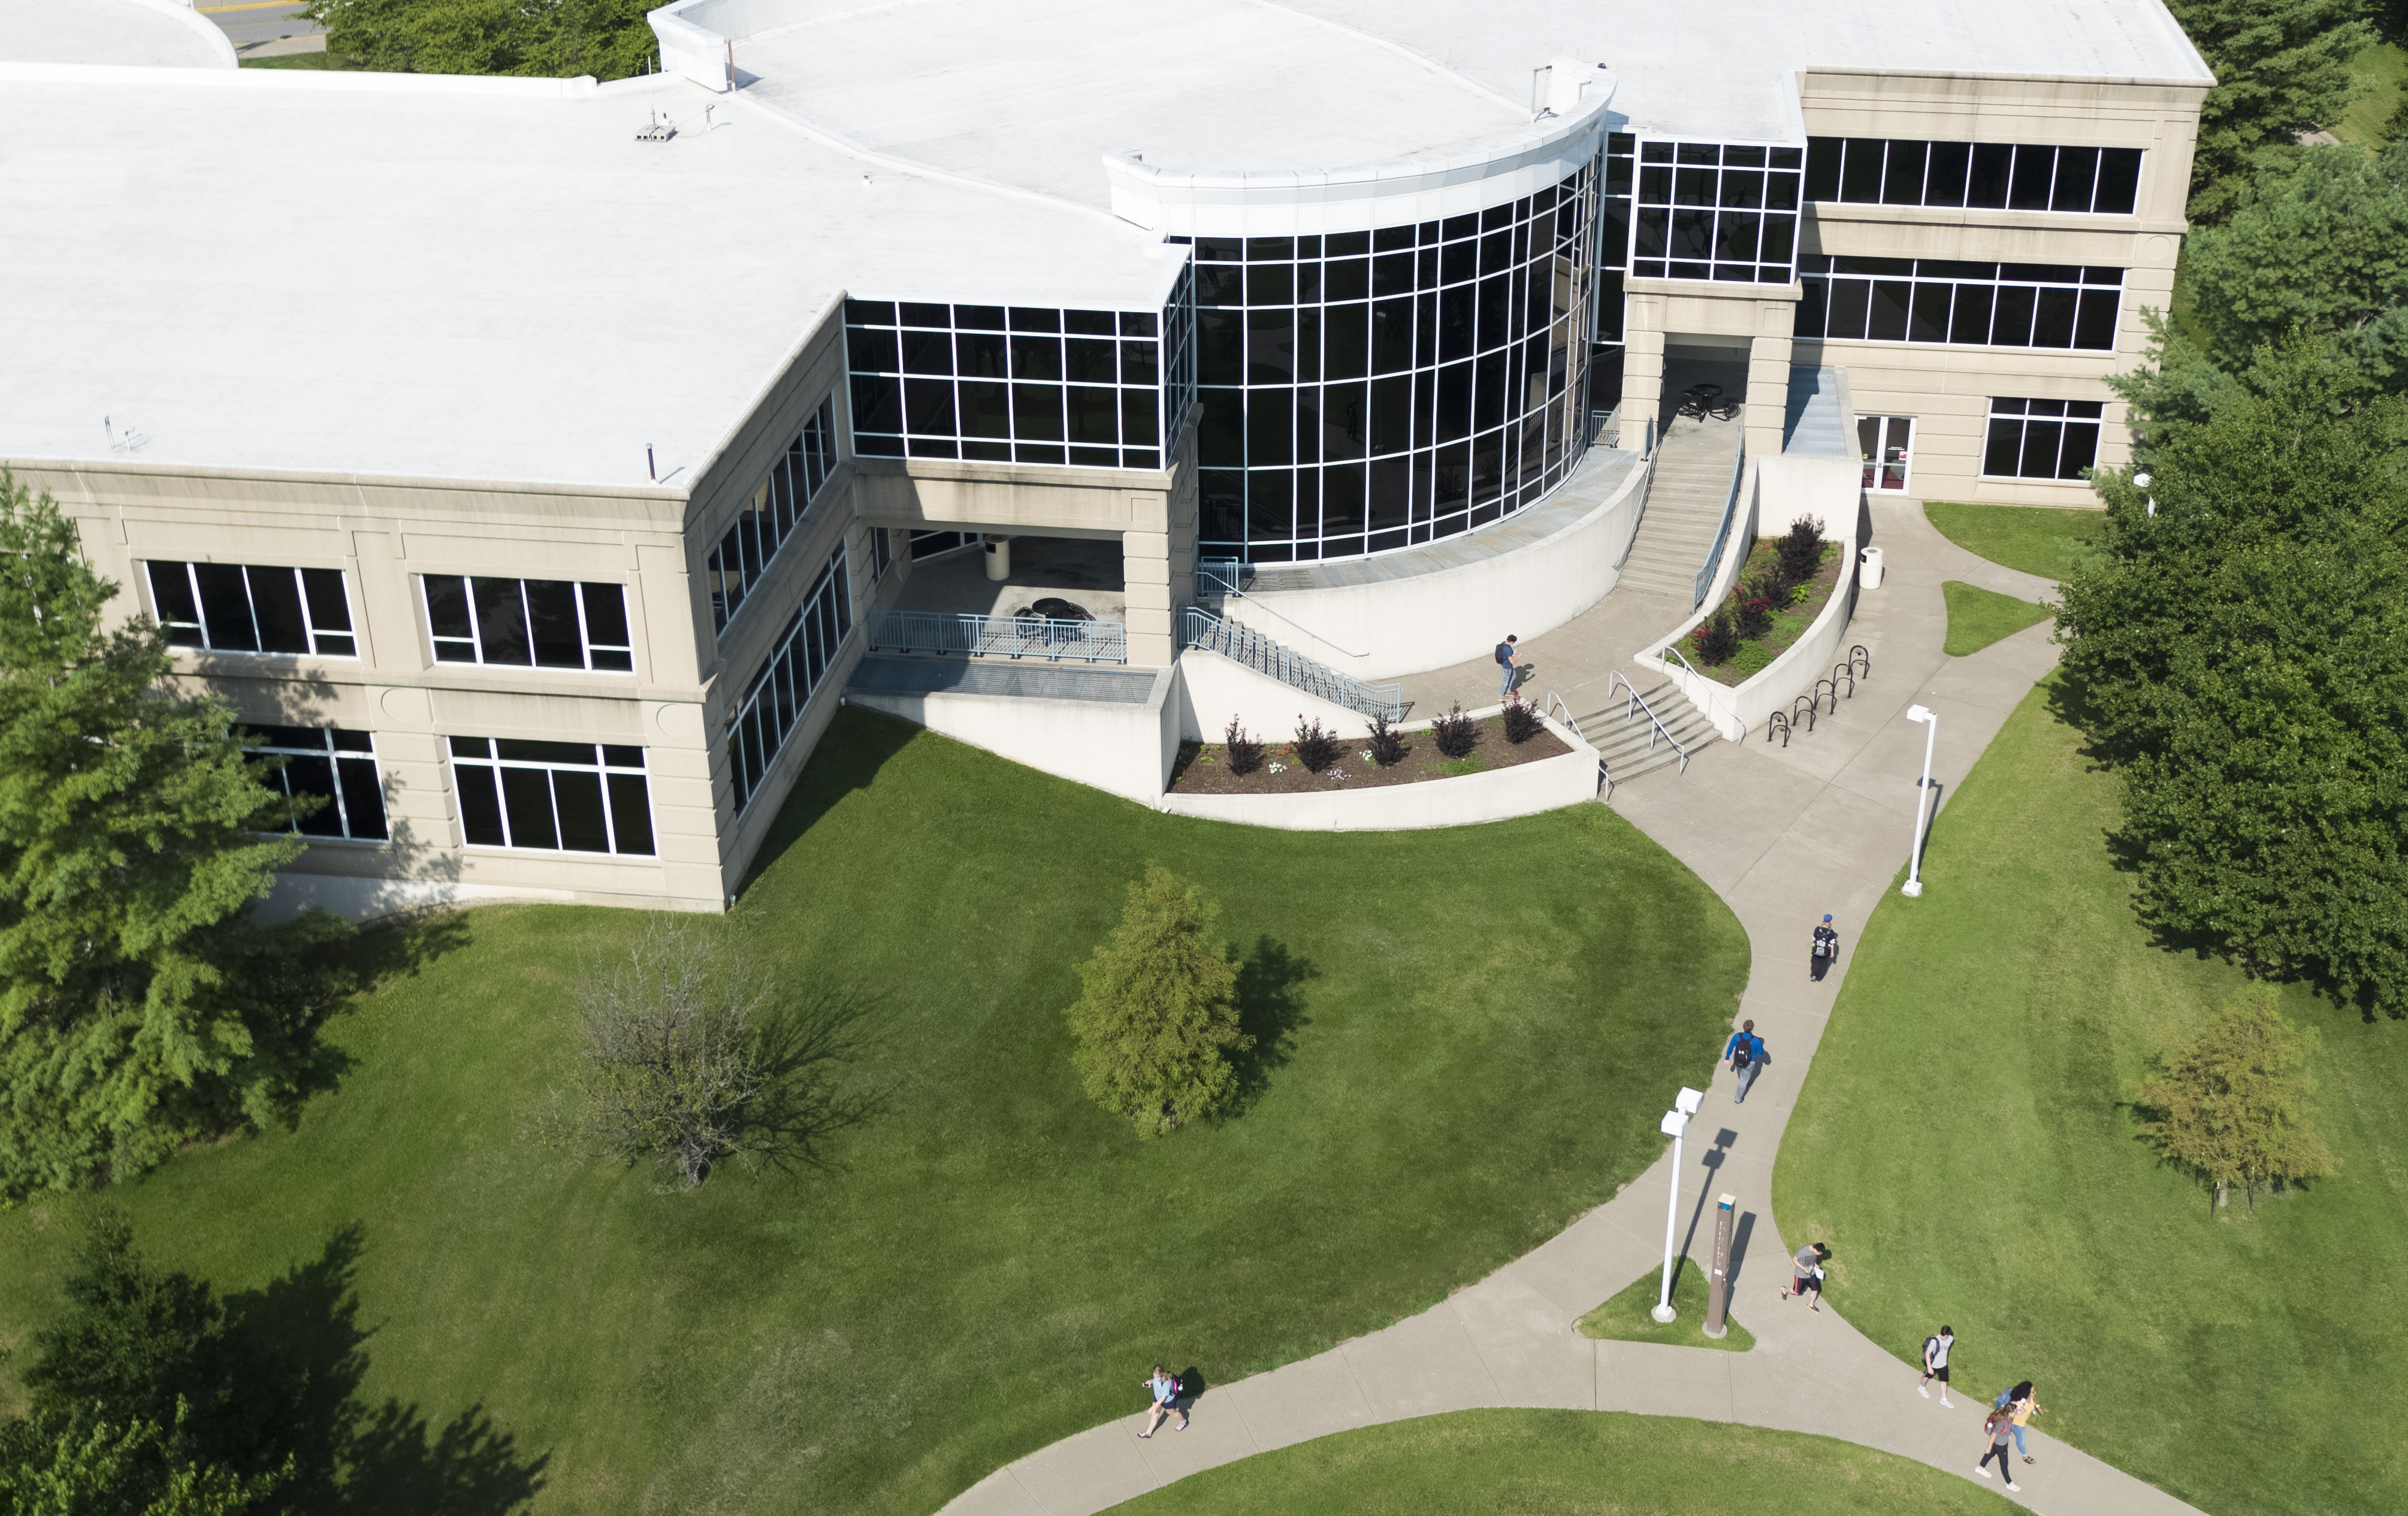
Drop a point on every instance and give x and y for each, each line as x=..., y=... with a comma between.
x=250, y=25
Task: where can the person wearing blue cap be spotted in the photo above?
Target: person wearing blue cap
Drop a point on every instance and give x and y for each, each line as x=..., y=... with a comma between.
x=1826, y=947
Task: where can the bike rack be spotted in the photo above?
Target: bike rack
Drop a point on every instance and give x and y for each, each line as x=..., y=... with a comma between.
x=1809, y=702
x=1859, y=658
x=1777, y=722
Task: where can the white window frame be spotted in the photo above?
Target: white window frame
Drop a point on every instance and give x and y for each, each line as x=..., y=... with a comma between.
x=493, y=763
x=300, y=586
x=336, y=757
x=476, y=639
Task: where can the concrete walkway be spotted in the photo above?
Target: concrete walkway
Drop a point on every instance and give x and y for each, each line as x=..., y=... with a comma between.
x=1784, y=834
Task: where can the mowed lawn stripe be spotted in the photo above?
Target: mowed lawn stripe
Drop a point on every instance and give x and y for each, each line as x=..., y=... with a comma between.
x=1478, y=1027
x=1965, y=1141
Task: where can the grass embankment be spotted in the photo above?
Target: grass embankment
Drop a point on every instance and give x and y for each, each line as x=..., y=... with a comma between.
x=1568, y=1462
x=1465, y=1039
x=1626, y=1317
x=1789, y=623
x=1979, y=617
x=2047, y=540
x=2381, y=73
x=336, y=61
x=1965, y=1142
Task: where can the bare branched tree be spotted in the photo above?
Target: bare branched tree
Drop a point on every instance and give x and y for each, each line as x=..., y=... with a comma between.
x=672, y=1058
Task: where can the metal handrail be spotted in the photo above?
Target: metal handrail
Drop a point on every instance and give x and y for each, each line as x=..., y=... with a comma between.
x=1705, y=576
x=1652, y=720
x=1557, y=702
x=1711, y=700
x=1240, y=643
x=962, y=634
x=1228, y=575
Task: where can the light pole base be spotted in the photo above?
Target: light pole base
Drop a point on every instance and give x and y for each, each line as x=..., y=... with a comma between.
x=1912, y=889
x=1716, y=1336
x=1663, y=1314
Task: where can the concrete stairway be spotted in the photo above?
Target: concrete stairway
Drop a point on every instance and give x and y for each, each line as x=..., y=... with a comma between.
x=1621, y=734
x=1685, y=504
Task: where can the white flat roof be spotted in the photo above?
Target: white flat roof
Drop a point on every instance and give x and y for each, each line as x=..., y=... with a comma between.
x=461, y=283
x=494, y=280
x=157, y=33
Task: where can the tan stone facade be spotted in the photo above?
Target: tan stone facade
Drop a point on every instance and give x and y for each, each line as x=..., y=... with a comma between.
x=385, y=535
x=1947, y=390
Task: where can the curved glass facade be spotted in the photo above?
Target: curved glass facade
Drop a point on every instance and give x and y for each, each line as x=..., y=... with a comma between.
x=1364, y=391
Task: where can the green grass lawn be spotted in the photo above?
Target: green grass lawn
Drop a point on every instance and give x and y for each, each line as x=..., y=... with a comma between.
x=2047, y=540
x=1466, y=1037
x=333, y=61
x=2383, y=70
x=1964, y=1142
x=1626, y=1317
x=1979, y=617
x=1569, y=1463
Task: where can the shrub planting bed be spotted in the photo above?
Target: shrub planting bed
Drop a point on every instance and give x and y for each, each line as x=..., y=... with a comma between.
x=1783, y=586
x=1206, y=768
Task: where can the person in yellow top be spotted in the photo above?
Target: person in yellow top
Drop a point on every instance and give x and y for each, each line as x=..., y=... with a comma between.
x=2020, y=1409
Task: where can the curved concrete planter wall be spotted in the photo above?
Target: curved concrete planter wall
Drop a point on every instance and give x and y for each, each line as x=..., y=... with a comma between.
x=1523, y=790
x=1784, y=487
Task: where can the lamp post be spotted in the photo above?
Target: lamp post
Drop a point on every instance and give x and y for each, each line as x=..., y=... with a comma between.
x=1676, y=1121
x=1931, y=720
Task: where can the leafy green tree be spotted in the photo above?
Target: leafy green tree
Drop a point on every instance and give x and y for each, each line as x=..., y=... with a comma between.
x=54, y=1467
x=2318, y=246
x=1159, y=1019
x=547, y=38
x=2242, y=658
x=2231, y=1105
x=2282, y=67
x=138, y=1006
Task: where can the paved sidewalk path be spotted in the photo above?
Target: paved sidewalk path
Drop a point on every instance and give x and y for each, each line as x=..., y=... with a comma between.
x=1784, y=834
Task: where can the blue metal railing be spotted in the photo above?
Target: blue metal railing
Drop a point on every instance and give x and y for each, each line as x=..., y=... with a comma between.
x=1220, y=576
x=962, y=635
x=1200, y=628
x=1722, y=535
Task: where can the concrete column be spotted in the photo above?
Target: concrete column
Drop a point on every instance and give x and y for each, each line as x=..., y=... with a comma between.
x=1145, y=576
x=1768, y=393
x=1643, y=382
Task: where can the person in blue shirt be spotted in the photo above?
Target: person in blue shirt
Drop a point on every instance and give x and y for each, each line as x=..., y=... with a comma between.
x=1507, y=668
x=1744, y=1052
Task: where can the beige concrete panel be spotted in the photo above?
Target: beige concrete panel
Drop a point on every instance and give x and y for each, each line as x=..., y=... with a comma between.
x=1149, y=646
x=1139, y=546
x=1970, y=236
x=1151, y=511
x=594, y=557
x=511, y=713
x=194, y=538
x=1148, y=596
x=1062, y=502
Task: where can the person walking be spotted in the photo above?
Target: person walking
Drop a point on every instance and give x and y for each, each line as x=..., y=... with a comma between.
x=1827, y=948
x=1509, y=669
x=2020, y=1409
x=1935, y=1365
x=1806, y=1273
x=1995, y=1429
x=1164, y=1387
x=1744, y=1052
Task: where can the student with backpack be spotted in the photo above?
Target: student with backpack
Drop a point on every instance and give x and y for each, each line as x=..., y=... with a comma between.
x=1827, y=951
x=1995, y=1429
x=1935, y=1365
x=1744, y=1052
x=1165, y=1388
x=1508, y=670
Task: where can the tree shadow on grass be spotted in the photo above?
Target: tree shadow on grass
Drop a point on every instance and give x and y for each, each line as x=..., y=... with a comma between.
x=297, y=1356
x=809, y=1044
x=1267, y=1012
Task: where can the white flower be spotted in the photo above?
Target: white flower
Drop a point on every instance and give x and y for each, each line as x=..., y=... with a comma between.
x=1368, y=759
x=1279, y=768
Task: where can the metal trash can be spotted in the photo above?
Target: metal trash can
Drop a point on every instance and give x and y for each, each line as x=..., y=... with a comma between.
x=1870, y=576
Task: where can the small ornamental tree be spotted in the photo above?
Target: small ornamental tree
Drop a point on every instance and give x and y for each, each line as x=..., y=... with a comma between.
x=672, y=1062
x=1159, y=1019
x=139, y=1007
x=2233, y=1106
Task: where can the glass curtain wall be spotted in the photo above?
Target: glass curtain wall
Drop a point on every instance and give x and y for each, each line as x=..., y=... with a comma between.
x=1709, y=211
x=1094, y=388
x=1612, y=261
x=1964, y=304
x=1364, y=391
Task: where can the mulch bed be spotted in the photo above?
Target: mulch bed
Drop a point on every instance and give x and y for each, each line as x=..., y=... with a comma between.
x=1203, y=768
x=1756, y=654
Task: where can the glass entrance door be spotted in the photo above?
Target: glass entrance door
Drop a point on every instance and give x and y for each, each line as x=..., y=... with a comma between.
x=1887, y=445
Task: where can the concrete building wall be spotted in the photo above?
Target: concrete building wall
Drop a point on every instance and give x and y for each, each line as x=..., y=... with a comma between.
x=1947, y=389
